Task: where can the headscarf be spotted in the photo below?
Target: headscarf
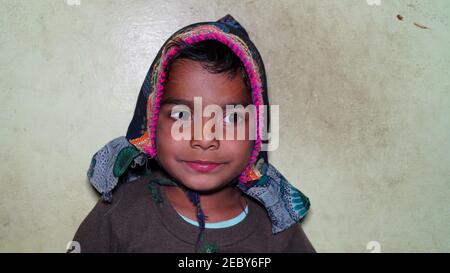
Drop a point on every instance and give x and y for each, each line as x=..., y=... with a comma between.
x=126, y=158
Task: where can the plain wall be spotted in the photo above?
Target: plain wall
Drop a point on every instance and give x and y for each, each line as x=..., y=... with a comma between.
x=364, y=110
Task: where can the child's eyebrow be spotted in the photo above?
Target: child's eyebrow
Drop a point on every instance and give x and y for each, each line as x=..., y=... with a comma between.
x=177, y=101
x=190, y=103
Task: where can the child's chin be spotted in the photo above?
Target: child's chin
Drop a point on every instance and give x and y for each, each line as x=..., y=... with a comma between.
x=203, y=186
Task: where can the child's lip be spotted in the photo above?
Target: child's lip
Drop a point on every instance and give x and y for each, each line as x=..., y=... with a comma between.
x=203, y=166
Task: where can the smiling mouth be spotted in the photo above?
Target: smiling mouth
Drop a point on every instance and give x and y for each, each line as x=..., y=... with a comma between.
x=203, y=166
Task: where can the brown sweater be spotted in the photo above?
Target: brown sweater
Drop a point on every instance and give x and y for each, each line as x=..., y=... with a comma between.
x=133, y=222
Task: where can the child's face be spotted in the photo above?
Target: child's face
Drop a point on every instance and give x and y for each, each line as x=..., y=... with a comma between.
x=201, y=165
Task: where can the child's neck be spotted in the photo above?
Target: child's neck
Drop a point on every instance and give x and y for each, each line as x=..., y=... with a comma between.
x=218, y=206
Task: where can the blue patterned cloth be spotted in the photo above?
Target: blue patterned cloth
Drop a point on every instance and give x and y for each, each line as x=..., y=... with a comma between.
x=110, y=163
x=285, y=204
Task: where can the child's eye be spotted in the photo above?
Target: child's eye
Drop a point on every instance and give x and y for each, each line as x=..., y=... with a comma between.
x=180, y=113
x=233, y=118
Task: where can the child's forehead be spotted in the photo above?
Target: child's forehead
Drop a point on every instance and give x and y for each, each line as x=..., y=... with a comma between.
x=189, y=79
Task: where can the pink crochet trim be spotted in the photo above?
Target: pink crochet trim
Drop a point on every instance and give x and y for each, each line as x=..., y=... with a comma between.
x=230, y=40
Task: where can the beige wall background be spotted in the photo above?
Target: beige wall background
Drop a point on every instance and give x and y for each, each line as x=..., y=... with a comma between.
x=364, y=110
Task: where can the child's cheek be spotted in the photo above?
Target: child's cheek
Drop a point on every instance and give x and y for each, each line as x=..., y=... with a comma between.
x=163, y=129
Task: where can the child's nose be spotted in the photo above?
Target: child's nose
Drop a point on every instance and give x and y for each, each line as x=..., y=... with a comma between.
x=205, y=138
x=205, y=144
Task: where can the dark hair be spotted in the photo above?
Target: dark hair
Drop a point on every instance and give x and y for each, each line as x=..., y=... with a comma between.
x=214, y=57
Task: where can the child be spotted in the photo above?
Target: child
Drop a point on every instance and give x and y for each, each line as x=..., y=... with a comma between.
x=203, y=194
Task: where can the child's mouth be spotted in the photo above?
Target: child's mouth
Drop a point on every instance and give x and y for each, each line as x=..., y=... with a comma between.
x=203, y=166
